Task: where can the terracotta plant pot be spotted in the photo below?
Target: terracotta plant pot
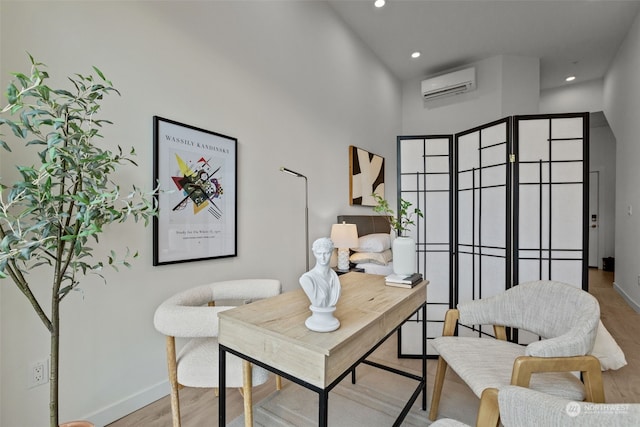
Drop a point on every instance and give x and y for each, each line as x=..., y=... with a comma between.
x=77, y=424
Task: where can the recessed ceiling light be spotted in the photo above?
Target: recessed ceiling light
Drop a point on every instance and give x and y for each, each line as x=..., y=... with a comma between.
x=415, y=55
x=570, y=78
x=379, y=3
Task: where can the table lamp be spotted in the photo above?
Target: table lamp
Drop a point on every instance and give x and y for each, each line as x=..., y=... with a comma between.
x=344, y=236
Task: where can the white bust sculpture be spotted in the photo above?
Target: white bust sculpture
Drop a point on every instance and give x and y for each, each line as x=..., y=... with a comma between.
x=322, y=286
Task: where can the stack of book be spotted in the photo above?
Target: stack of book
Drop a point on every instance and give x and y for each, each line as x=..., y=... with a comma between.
x=403, y=281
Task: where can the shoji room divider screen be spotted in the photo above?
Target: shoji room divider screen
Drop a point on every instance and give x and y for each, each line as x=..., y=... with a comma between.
x=504, y=203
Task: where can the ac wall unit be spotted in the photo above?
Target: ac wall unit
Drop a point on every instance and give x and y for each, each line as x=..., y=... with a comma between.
x=449, y=84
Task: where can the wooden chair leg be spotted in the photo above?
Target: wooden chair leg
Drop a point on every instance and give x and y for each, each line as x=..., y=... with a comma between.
x=278, y=382
x=248, y=398
x=173, y=380
x=437, y=388
x=489, y=412
x=592, y=379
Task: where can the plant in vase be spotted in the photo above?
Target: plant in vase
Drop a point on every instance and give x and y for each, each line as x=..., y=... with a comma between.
x=404, y=247
x=52, y=215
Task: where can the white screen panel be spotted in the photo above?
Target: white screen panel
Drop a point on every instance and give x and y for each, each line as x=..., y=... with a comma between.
x=567, y=211
x=436, y=311
x=570, y=127
x=498, y=252
x=567, y=172
x=529, y=172
x=494, y=155
x=409, y=183
x=437, y=147
x=494, y=134
x=412, y=155
x=466, y=220
x=567, y=150
x=529, y=217
x=468, y=151
x=438, y=164
x=493, y=225
x=437, y=220
x=533, y=144
x=411, y=338
x=465, y=275
x=495, y=175
x=567, y=272
x=465, y=180
x=438, y=277
x=533, y=269
x=492, y=276
x=437, y=182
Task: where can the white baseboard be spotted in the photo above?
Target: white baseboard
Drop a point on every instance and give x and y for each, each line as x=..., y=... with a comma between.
x=626, y=297
x=129, y=404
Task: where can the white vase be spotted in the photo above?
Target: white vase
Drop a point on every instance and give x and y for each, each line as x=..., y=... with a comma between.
x=404, y=255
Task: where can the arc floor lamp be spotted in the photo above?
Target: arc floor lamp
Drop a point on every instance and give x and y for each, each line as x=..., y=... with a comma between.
x=306, y=210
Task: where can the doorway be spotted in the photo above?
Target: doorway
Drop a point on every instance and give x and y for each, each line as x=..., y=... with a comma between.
x=594, y=177
x=602, y=167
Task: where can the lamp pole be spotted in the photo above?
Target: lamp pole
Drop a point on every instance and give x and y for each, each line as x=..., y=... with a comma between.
x=306, y=210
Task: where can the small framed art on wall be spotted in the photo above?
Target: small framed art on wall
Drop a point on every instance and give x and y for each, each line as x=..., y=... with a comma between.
x=196, y=171
x=366, y=176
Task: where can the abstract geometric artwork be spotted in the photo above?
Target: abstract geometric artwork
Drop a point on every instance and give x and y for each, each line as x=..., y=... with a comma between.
x=366, y=176
x=195, y=170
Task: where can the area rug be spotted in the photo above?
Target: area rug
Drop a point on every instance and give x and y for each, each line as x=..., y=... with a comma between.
x=374, y=401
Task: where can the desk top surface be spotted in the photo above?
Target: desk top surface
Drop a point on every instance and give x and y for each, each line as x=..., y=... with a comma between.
x=273, y=331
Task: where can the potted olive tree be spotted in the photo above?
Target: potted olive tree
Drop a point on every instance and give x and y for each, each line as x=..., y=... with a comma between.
x=52, y=215
x=403, y=247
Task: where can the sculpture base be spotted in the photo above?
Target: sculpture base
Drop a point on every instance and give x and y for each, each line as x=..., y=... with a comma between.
x=322, y=320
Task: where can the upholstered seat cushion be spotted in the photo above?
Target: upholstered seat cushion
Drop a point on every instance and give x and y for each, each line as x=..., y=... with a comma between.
x=486, y=362
x=523, y=407
x=198, y=366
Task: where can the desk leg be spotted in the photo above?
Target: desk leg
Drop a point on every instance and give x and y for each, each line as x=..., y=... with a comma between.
x=323, y=408
x=424, y=357
x=222, y=387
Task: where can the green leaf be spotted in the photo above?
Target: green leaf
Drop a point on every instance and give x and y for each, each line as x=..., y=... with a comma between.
x=4, y=145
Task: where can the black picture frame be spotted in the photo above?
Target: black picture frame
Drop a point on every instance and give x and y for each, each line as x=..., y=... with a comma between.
x=196, y=172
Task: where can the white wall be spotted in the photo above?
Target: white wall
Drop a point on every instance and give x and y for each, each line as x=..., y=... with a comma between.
x=602, y=158
x=622, y=109
x=573, y=97
x=285, y=78
x=506, y=85
x=588, y=96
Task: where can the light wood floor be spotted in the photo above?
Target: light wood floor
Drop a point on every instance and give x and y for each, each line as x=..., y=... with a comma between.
x=199, y=407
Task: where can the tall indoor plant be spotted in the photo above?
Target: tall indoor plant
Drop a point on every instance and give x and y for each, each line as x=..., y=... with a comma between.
x=404, y=247
x=52, y=215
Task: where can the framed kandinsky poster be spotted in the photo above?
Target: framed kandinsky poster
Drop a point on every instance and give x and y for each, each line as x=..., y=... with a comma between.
x=196, y=172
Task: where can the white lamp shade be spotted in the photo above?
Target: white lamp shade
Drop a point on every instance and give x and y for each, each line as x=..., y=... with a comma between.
x=344, y=235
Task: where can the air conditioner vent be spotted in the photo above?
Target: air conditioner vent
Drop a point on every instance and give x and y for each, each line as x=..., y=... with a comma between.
x=449, y=84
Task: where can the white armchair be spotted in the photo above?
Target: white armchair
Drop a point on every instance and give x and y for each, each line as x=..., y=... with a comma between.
x=566, y=317
x=193, y=314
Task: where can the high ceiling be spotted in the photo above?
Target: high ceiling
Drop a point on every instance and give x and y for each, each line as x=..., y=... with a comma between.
x=569, y=36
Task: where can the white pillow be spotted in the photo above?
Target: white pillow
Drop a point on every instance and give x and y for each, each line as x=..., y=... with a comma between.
x=607, y=350
x=376, y=242
x=381, y=258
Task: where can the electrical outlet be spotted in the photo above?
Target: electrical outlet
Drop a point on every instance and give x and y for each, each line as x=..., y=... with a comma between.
x=38, y=373
x=638, y=280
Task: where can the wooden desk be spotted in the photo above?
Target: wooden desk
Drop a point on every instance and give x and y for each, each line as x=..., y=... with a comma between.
x=271, y=333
